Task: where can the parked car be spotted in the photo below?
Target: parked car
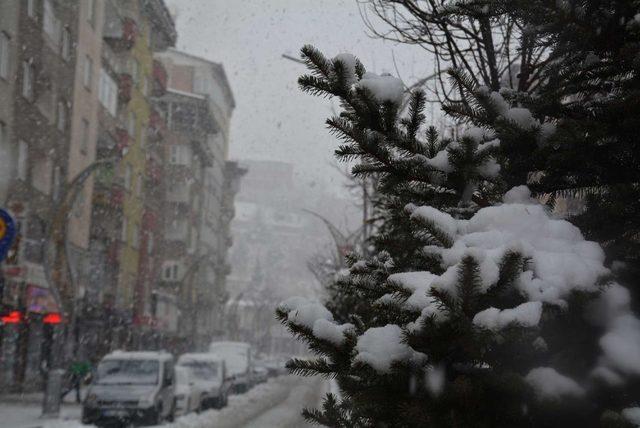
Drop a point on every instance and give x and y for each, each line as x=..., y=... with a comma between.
x=260, y=374
x=131, y=386
x=189, y=393
x=237, y=356
x=210, y=376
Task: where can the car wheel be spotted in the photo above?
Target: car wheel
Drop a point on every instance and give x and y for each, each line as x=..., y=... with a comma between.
x=155, y=416
x=172, y=414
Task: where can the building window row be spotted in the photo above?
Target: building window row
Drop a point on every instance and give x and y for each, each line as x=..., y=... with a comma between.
x=4, y=54
x=108, y=92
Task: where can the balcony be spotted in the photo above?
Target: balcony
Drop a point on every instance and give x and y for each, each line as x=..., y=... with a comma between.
x=159, y=74
x=123, y=139
x=120, y=33
x=125, y=87
x=153, y=171
x=109, y=197
x=157, y=127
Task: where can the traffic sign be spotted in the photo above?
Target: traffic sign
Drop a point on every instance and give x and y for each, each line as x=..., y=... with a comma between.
x=7, y=233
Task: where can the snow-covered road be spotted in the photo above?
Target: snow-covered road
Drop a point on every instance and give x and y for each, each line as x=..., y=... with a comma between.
x=277, y=403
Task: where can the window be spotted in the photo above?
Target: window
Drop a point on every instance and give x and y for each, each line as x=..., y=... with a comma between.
x=127, y=177
x=65, y=48
x=41, y=173
x=31, y=8
x=134, y=67
x=84, y=144
x=91, y=12
x=139, y=185
x=180, y=155
x=87, y=72
x=3, y=133
x=149, y=244
x=170, y=271
x=61, y=122
x=51, y=24
x=123, y=232
x=108, y=92
x=135, y=240
x=56, y=183
x=131, y=124
x=23, y=159
x=28, y=72
x=4, y=55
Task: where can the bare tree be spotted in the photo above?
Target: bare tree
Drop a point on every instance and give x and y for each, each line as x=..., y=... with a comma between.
x=493, y=49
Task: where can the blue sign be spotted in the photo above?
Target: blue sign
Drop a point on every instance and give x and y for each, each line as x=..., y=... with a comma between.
x=7, y=233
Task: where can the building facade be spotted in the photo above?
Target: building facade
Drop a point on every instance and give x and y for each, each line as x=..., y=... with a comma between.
x=38, y=133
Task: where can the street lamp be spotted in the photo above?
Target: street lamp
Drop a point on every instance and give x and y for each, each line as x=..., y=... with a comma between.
x=56, y=242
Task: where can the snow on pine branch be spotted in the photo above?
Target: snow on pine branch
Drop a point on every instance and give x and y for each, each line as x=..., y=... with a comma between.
x=380, y=347
x=560, y=261
x=315, y=317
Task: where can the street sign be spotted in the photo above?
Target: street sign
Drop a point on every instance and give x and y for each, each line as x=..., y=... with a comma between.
x=7, y=233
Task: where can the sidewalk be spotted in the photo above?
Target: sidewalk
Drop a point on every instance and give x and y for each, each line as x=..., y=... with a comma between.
x=24, y=411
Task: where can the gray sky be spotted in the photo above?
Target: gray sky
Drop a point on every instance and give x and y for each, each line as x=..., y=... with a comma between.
x=273, y=118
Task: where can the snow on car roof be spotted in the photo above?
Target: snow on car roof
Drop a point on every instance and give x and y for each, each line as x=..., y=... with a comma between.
x=230, y=345
x=198, y=356
x=139, y=355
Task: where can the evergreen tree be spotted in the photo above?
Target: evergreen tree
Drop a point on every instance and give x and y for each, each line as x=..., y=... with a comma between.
x=473, y=313
x=590, y=91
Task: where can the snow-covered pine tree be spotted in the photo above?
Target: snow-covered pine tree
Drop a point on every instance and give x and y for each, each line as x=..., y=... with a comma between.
x=498, y=315
x=589, y=88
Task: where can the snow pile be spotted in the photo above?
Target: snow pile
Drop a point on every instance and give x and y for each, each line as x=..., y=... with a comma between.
x=331, y=332
x=527, y=315
x=519, y=195
x=349, y=62
x=384, y=88
x=304, y=312
x=549, y=384
x=418, y=283
x=519, y=116
x=379, y=347
x=632, y=414
x=314, y=316
x=442, y=221
x=522, y=117
x=441, y=162
x=559, y=261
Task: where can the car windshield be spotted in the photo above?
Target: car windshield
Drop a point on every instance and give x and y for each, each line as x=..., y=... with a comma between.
x=204, y=370
x=128, y=372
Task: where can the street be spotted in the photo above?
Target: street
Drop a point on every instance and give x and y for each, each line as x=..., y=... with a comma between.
x=276, y=403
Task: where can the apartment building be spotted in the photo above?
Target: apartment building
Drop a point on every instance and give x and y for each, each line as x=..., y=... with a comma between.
x=198, y=107
x=38, y=61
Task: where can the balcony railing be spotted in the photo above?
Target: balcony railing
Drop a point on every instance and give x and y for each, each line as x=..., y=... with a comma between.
x=123, y=139
x=120, y=33
x=153, y=171
x=157, y=127
x=159, y=79
x=125, y=87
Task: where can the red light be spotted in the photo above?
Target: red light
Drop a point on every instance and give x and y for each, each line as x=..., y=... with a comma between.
x=14, y=317
x=52, y=318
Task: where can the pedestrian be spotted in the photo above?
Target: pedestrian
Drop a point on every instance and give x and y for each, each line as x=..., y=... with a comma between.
x=78, y=371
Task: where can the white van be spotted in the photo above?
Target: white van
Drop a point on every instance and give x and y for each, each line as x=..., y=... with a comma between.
x=210, y=375
x=131, y=386
x=237, y=356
